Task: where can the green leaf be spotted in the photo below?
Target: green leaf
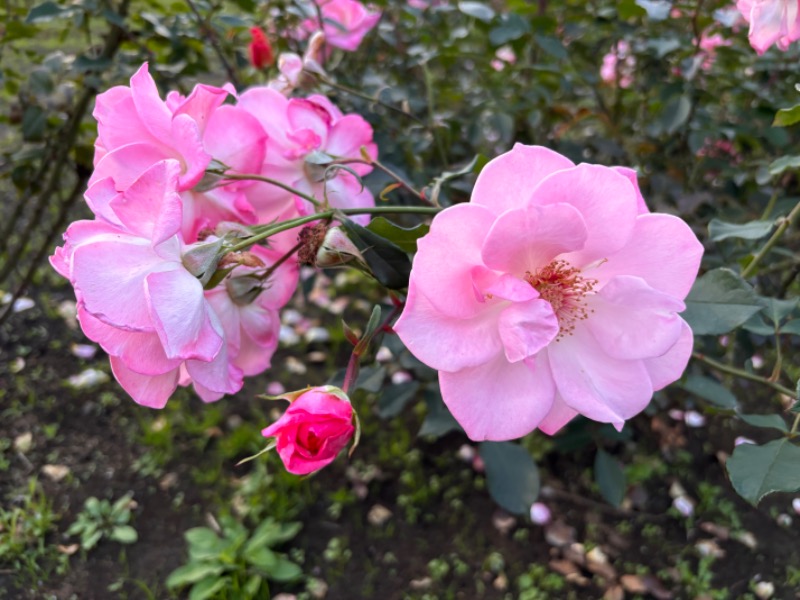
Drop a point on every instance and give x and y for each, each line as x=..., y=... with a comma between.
x=777, y=310
x=124, y=534
x=474, y=166
x=511, y=27
x=754, y=230
x=34, y=121
x=271, y=533
x=770, y=421
x=252, y=586
x=192, y=573
x=478, y=10
x=756, y=471
x=403, y=238
x=676, y=113
x=90, y=538
x=787, y=116
x=389, y=264
x=394, y=399
x=551, y=45
x=710, y=390
x=206, y=588
x=720, y=301
x=610, y=477
x=438, y=420
x=285, y=571
x=263, y=558
x=47, y=11
x=782, y=164
x=658, y=10
x=511, y=475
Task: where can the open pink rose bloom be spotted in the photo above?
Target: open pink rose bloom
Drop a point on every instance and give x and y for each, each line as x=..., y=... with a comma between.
x=771, y=22
x=553, y=293
x=317, y=426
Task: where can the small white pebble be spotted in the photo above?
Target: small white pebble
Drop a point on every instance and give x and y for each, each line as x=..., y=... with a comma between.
x=757, y=361
x=684, y=505
x=724, y=340
x=692, y=418
x=295, y=366
x=290, y=316
x=742, y=440
x=21, y=304
x=23, y=442
x=764, y=590
x=796, y=505
x=287, y=336
x=675, y=414
x=784, y=520
x=383, y=354
x=401, y=377
x=540, y=514
x=5, y=298
x=68, y=310
x=466, y=453
x=17, y=365
x=317, y=334
x=86, y=351
x=87, y=378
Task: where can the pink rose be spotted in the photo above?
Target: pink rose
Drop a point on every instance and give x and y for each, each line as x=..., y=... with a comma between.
x=709, y=44
x=771, y=21
x=554, y=292
x=136, y=298
x=618, y=65
x=298, y=128
x=136, y=129
x=345, y=22
x=317, y=426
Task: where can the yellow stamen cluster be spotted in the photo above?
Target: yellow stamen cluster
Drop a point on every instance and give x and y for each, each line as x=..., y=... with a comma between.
x=562, y=286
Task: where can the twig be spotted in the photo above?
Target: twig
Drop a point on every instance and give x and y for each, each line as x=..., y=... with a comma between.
x=742, y=374
x=783, y=225
x=214, y=41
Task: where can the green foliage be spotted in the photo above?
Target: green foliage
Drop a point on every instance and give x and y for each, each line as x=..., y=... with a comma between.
x=511, y=474
x=23, y=533
x=756, y=471
x=100, y=519
x=235, y=563
x=719, y=302
x=610, y=477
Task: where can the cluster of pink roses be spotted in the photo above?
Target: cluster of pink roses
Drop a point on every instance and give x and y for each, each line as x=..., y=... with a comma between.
x=162, y=202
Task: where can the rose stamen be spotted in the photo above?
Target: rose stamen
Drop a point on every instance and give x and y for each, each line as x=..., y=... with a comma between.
x=565, y=289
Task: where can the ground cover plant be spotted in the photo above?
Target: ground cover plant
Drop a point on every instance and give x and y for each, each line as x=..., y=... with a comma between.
x=420, y=299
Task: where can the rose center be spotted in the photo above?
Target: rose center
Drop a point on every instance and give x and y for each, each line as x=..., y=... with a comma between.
x=565, y=289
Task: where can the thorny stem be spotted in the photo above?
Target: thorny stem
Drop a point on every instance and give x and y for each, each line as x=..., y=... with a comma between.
x=275, y=182
x=274, y=266
x=363, y=96
x=330, y=214
x=212, y=38
x=795, y=425
x=782, y=227
x=742, y=373
x=379, y=165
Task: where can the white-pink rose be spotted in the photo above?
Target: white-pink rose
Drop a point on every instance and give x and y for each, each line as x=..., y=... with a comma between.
x=771, y=22
x=299, y=128
x=554, y=292
x=345, y=22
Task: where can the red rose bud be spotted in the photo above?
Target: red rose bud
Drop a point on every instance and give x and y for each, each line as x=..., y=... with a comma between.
x=317, y=426
x=260, y=49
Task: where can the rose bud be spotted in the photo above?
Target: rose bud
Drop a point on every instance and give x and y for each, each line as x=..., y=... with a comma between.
x=259, y=49
x=317, y=426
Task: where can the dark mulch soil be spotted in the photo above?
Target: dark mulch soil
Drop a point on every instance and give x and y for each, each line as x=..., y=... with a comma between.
x=98, y=445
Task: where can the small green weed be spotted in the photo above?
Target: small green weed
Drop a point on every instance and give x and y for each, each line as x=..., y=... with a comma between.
x=22, y=535
x=100, y=519
x=236, y=563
